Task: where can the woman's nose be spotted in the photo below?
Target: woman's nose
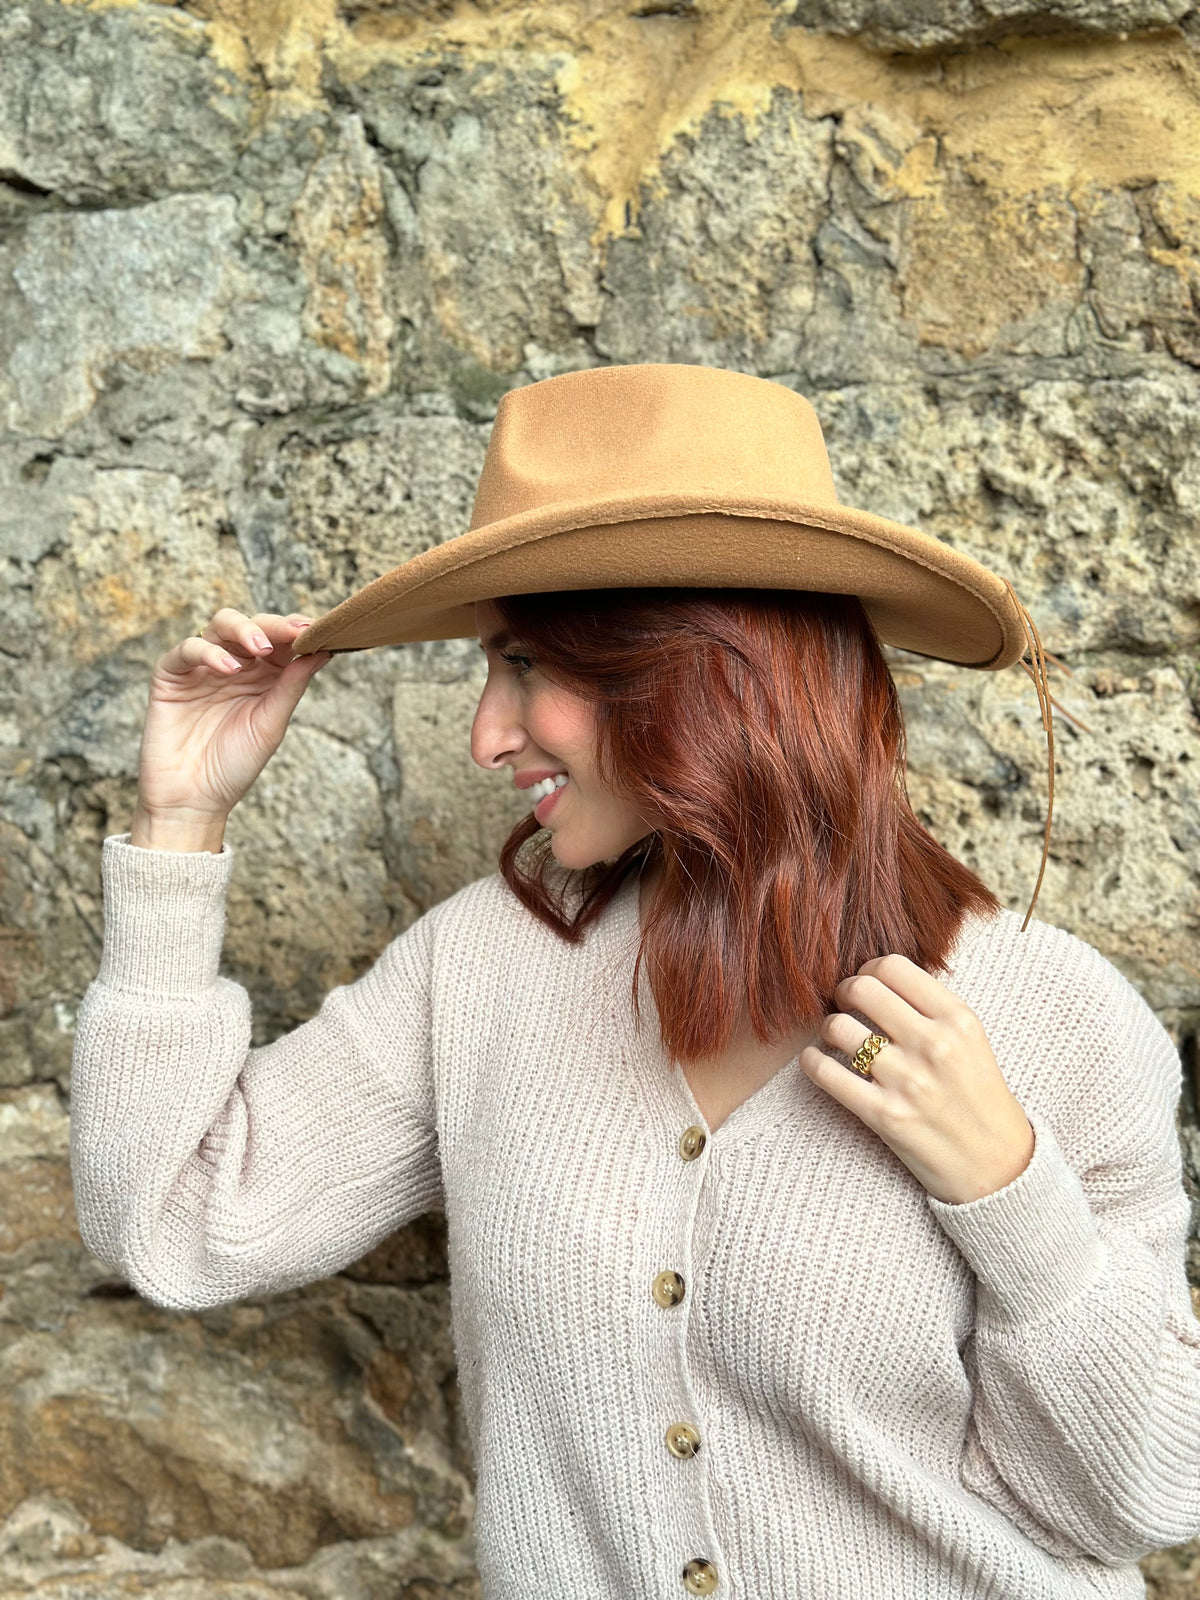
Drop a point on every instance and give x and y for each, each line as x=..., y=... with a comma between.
x=495, y=738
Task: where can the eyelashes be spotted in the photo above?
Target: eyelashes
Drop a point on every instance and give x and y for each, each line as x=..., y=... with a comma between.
x=512, y=660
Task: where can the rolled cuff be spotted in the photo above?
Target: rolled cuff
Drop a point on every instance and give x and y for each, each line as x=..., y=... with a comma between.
x=1033, y=1245
x=164, y=916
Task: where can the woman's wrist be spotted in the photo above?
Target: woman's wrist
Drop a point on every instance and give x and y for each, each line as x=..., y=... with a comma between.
x=151, y=832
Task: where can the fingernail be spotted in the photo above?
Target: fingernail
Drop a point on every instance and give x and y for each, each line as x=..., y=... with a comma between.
x=305, y=621
x=261, y=640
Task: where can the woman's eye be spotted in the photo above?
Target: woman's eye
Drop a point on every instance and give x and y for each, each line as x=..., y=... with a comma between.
x=504, y=656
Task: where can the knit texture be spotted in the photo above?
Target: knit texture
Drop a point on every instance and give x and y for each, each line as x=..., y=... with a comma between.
x=896, y=1398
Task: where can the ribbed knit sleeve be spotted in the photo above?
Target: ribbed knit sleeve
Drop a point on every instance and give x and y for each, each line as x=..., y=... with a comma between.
x=1085, y=1358
x=204, y=1170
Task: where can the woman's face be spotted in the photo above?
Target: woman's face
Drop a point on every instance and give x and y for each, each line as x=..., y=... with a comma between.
x=529, y=724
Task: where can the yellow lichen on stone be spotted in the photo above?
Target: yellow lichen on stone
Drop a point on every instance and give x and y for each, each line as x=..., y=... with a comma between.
x=889, y=153
x=1024, y=116
x=337, y=223
x=639, y=84
x=979, y=262
x=992, y=151
x=1035, y=113
x=127, y=566
x=282, y=43
x=1177, y=215
x=630, y=85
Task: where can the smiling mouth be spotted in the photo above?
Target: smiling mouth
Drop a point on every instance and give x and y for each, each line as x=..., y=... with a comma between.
x=548, y=801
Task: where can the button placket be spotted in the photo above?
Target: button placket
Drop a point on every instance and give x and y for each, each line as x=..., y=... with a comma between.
x=666, y=1096
x=683, y=1439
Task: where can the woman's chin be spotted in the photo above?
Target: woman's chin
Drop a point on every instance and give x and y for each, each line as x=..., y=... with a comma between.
x=577, y=855
x=562, y=852
x=569, y=854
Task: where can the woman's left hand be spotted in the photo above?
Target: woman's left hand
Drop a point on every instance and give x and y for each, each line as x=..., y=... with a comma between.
x=939, y=1099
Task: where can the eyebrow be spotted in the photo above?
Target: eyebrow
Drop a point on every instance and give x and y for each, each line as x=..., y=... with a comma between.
x=498, y=641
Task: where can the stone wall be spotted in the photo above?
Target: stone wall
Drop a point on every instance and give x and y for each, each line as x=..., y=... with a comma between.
x=265, y=271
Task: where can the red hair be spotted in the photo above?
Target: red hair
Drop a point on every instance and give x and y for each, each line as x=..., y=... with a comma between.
x=766, y=726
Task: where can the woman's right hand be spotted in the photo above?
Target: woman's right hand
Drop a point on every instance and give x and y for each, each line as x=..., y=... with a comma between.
x=210, y=727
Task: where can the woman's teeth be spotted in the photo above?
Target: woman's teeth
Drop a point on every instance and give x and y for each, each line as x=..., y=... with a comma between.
x=539, y=791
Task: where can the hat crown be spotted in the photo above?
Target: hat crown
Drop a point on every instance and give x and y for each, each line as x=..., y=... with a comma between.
x=663, y=430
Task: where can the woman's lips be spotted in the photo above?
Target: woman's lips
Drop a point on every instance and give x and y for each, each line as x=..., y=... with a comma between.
x=544, y=806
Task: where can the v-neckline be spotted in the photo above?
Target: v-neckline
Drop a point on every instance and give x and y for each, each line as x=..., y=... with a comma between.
x=661, y=1079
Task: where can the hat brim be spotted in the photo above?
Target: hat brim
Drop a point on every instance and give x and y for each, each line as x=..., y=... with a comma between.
x=921, y=595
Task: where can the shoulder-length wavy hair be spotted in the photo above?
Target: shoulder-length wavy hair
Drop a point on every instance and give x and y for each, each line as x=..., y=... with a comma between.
x=765, y=726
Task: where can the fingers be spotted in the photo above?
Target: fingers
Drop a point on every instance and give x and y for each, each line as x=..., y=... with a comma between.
x=260, y=636
x=199, y=652
x=231, y=639
x=264, y=636
x=278, y=633
x=286, y=692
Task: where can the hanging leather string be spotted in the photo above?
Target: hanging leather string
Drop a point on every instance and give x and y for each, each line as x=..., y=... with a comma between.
x=1045, y=701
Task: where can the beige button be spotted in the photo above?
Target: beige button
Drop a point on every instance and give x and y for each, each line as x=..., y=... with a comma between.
x=683, y=1439
x=699, y=1576
x=691, y=1141
x=667, y=1288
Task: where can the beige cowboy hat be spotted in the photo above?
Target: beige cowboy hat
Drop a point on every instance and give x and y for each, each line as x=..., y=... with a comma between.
x=663, y=474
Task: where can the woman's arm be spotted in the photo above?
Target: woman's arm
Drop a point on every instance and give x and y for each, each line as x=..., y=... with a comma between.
x=206, y=1171
x=1085, y=1359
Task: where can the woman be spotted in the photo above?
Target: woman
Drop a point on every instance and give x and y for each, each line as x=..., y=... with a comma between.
x=860, y=1269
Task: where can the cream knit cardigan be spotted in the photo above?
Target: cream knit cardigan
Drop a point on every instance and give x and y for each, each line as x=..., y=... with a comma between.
x=760, y=1362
